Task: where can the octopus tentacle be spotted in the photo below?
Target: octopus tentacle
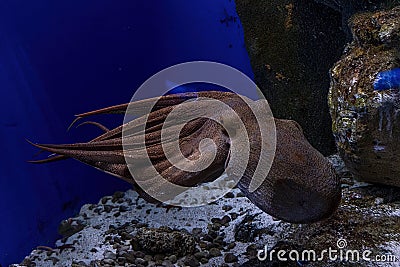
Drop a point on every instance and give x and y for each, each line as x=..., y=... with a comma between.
x=99, y=125
x=85, y=155
x=48, y=160
x=140, y=107
x=298, y=169
x=73, y=122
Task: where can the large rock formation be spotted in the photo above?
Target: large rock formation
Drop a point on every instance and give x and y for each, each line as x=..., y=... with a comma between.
x=349, y=7
x=292, y=45
x=366, y=122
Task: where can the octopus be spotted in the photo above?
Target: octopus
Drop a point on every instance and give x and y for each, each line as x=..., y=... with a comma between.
x=301, y=186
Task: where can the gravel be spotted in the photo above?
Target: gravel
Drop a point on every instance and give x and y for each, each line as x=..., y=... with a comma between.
x=124, y=230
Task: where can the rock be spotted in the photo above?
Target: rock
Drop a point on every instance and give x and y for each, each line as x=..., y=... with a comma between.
x=347, y=8
x=163, y=240
x=292, y=45
x=229, y=195
x=109, y=261
x=227, y=207
x=199, y=255
x=378, y=200
x=225, y=220
x=167, y=263
x=204, y=260
x=139, y=254
x=215, y=252
x=110, y=255
x=78, y=264
x=173, y=258
x=365, y=122
x=246, y=230
x=68, y=227
x=196, y=231
x=230, y=258
x=158, y=258
x=231, y=245
x=191, y=261
x=130, y=258
x=251, y=251
x=359, y=220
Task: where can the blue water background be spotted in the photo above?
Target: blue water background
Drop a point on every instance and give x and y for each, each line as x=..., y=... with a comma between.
x=59, y=58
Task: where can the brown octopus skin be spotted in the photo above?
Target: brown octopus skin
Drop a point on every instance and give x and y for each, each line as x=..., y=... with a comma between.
x=301, y=186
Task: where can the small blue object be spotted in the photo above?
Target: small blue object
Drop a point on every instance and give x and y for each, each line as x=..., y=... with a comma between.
x=389, y=79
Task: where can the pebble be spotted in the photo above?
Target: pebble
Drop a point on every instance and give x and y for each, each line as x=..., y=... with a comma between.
x=141, y=261
x=130, y=258
x=240, y=194
x=103, y=201
x=199, y=255
x=379, y=200
x=133, y=239
x=167, y=263
x=231, y=245
x=148, y=258
x=123, y=208
x=108, y=208
x=173, y=258
x=121, y=260
x=229, y=195
x=251, y=251
x=191, y=261
x=227, y=207
x=109, y=261
x=215, y=252
x=110, y=255
x=139, y=254
x=196, y=231
x=117, y=195
x=230, y=258
x=204, y=260
x=159, y=257
x=225, y=220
